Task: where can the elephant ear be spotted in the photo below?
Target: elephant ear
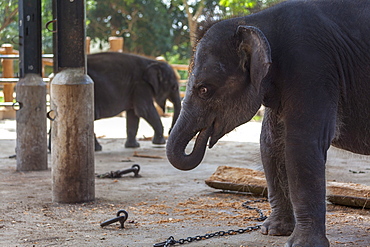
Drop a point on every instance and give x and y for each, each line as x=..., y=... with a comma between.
x=254, y=52
x=153, y=76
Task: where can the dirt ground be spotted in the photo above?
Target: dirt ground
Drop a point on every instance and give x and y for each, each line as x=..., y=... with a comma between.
x=163, y=202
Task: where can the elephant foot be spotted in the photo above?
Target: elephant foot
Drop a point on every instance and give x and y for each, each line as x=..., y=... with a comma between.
x=98, y=147
x=159, y=140
x=132, y=144
x=307, y=238
x=278, y=225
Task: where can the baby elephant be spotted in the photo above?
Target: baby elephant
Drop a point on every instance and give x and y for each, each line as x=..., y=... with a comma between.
x=308, y=63
x=127, y=82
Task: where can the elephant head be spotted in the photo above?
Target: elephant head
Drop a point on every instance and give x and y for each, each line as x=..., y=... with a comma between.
x=223, y=92
x=164, y=83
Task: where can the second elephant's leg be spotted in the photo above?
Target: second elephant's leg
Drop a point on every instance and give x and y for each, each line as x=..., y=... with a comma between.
x=132, y=125
x=281, y=221
x=152, y=117
x=98, y=147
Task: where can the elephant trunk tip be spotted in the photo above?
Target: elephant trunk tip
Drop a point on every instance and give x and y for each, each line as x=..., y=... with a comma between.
x=176, y=150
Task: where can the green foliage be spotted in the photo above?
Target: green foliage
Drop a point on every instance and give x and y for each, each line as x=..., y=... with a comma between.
x=245, y=7
x=144, y=24
x=8, y=21
x=9, y=30
x=47, y=36
x=237, y=6
x=149, y=27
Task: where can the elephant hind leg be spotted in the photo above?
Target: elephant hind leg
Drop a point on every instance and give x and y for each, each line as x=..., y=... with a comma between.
x=152, y=117
x=132, y=125
x=98, y=147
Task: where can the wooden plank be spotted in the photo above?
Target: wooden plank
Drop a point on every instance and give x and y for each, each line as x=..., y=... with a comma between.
x=252, y=181
x=180, y=66
x=238, y=179
x=348, y=194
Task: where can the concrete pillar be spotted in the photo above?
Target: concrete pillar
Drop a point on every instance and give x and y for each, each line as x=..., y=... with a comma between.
x=31, y=142
x=31, y=91
x=116, y=44
x=72, y=152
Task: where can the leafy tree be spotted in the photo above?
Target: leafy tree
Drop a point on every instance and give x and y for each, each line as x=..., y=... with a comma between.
x=9, y=30
x=150, y=27
x=47, y=36
x=193, y=16
x=144, y=24
x=8, y=20
x=244, y=7
x=190, y=14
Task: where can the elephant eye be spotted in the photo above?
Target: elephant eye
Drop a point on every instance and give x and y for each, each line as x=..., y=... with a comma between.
x=203, y=90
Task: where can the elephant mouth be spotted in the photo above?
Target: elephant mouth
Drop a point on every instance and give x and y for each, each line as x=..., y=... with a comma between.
x=213, y=140
x=205, y=133
x=209, y=133
x=215, y=135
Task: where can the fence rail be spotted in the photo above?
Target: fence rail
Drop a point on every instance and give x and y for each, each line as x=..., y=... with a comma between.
x=16, y=79
x=8, y=81
x=16, y=56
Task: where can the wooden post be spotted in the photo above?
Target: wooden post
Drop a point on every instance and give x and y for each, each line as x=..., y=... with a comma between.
x=8, y=72
x=116, y=44
x=88, y=42
x=72, y=100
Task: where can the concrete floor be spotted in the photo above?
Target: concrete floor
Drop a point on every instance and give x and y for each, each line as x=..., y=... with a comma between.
x=163, y=202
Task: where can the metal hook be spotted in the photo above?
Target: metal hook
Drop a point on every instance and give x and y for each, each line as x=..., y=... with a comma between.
x=48, y=23
x=14, y=42
x=170, y=241
x=117, y=174
x=17, y=106
x=134, y=168
x=119, y=218
x=48, y=115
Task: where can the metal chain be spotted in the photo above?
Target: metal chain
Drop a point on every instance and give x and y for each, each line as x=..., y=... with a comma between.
x=171, y=240
x=261, y=216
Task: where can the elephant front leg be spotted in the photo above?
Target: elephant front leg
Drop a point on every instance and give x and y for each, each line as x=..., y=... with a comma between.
x=305, y=165
x=132, y=125
x=281, y=222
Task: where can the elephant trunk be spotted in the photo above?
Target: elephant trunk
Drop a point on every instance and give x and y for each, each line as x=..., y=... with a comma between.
x=176, y=101
x=179, y=138
x=176, y=112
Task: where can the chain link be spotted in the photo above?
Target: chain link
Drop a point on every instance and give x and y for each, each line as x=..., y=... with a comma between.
x=171, y=240
x=261, y=216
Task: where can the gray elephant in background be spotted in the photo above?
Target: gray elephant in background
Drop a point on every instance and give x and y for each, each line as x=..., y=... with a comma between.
x=127, y=82
x=307, y=62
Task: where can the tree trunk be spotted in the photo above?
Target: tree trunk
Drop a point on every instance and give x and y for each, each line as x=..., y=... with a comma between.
x=193, y=20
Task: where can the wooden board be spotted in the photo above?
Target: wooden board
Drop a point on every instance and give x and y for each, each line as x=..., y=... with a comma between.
x=348, y=194
x=252, y=181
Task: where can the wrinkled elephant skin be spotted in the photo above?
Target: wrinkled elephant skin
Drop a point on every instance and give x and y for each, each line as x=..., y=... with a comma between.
x=308, y=63
x=127, y=82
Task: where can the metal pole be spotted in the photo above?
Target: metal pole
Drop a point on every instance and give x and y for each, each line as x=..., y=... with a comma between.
x=31, y=146
x=72, y=151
